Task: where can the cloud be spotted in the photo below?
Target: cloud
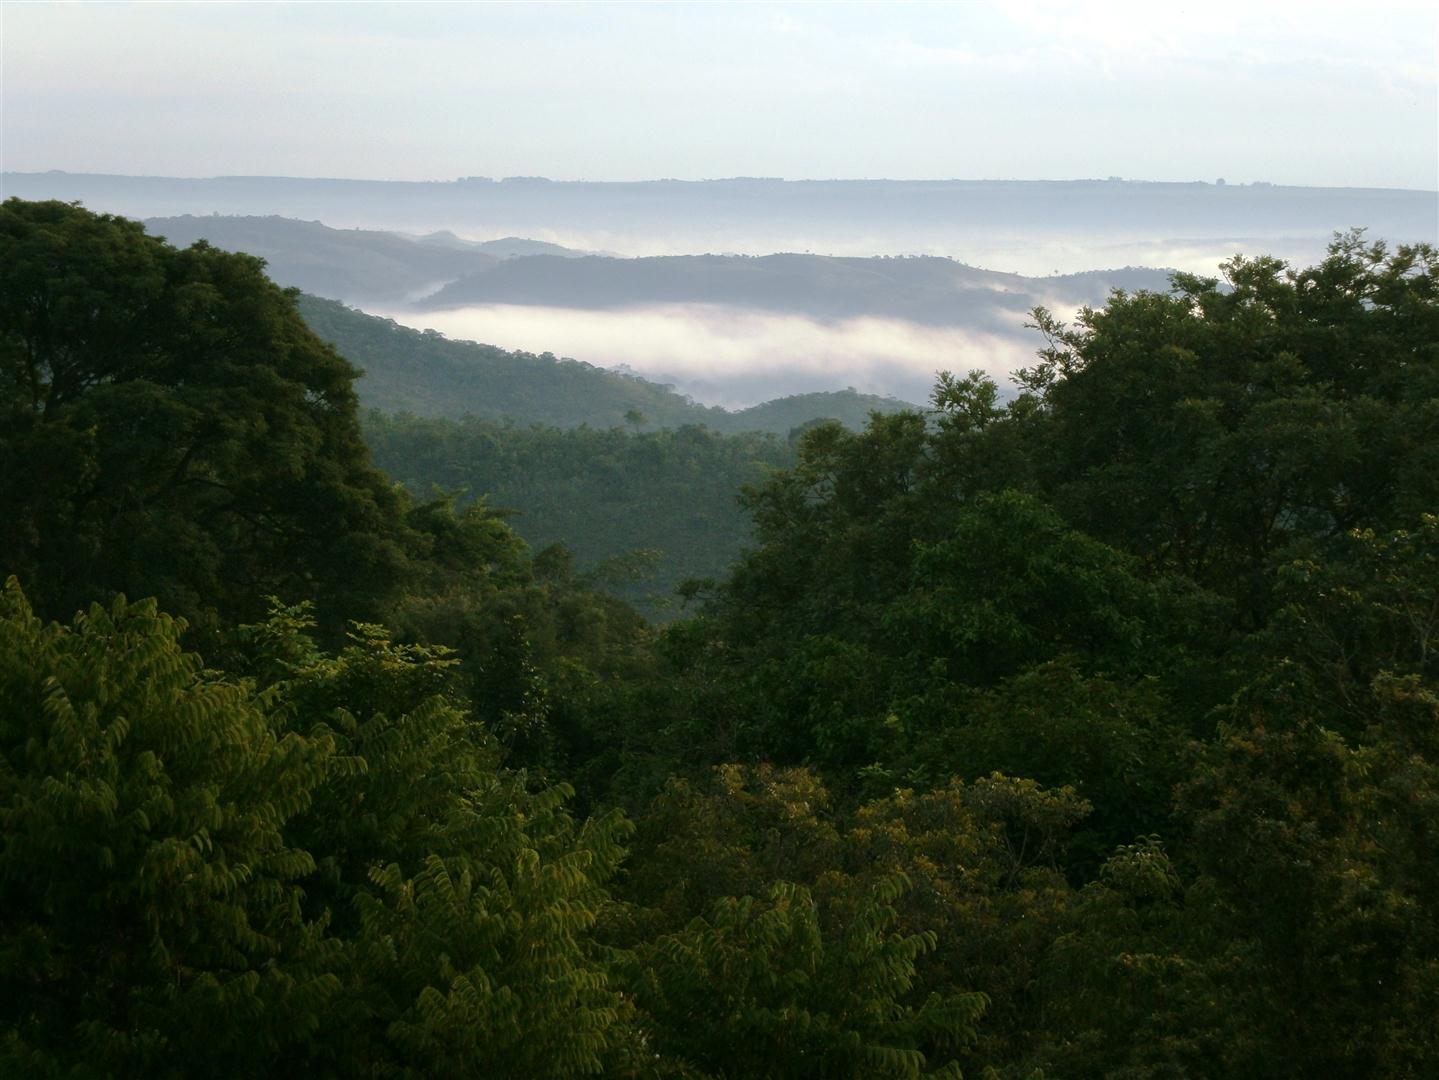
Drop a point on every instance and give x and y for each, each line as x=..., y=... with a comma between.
x=734, y=357
x=1048, y=88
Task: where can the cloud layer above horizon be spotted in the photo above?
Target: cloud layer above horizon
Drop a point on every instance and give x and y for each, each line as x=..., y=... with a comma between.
x=1319, y=93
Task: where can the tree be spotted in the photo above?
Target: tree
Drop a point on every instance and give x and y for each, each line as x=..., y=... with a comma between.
x=318, y=869
x=169, y=427
x=1210, y=429
x=463, y=893
x=980, y=862
x=759, y=988
x=151, y=917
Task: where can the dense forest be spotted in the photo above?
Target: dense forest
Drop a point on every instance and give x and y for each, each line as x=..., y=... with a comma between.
x=1091, y=732
x=646, y=512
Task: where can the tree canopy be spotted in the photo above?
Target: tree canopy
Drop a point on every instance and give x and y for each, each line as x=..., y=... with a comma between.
x=172, y=428
x=1092, y=732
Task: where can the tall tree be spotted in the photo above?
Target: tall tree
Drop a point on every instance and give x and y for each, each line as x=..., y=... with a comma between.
x=170, y=427
x=1209, y=429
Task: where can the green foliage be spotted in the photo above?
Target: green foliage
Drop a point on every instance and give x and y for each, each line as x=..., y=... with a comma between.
x=149, y=892
x=1109, y=712
x=1194, y=553
x=541, y=649
x=735, y=835
x=467, y=895
x=1319, y=850
x=981, y=859
x=481, y=957
x=1209, y=429
x=169, y=427
x=1011, y=584
x=946, y=658
x=1299, y=941
x=603, y=493
x=760, y=989
x=332, y=871
x=1370, y=607
x=1138, y=952
x=1113, y=740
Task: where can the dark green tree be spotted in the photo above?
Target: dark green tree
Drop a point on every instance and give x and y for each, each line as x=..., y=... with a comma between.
x=1209, y=429
x=318, y=869
x=151, y=906
x=169, y=427
x=463, y=893
x=758, y=988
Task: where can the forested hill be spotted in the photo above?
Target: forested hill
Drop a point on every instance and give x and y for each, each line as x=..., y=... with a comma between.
x=1090, y=734
x=362, y=266
x=427, y=374
x=374, y=269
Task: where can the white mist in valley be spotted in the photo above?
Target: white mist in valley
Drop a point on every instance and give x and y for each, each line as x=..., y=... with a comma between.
x=734, y=357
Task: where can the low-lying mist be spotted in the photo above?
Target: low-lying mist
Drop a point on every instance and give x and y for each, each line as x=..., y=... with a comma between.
x=736, y=357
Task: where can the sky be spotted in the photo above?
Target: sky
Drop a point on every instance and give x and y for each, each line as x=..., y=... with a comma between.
x=1313, y=93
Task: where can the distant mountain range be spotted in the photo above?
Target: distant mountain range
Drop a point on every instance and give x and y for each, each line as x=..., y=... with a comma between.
x=428, y=375
x=428, y=273
x=1031, y=225
x=931, y=291
x=362, y=266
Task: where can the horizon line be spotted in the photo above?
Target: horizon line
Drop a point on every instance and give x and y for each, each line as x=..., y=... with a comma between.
x=534, y=179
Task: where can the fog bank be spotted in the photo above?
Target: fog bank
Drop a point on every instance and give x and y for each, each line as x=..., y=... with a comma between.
x=736, y=358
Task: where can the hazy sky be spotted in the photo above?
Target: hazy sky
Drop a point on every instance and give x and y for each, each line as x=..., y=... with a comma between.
x=1306, y=93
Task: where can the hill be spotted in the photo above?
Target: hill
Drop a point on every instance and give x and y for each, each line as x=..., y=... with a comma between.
x=358, y=265
x=1090, y=734
x=926, y=290
x=439, y=270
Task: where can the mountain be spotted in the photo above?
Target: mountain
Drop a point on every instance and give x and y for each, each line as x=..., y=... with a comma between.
x=362, y=266
x=788, y=415
x=1034, y=226
x=926, y=290
x=716, y=313
x=358, y=265
x=509, y=247
x=440, y=270
x=429, y=375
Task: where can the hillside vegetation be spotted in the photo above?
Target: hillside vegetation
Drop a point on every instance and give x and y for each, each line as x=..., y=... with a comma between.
x=647, y=511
